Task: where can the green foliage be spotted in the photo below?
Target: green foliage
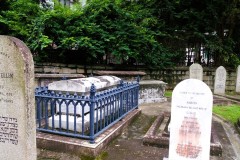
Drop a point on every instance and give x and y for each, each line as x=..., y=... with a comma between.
x=101, y=156
x=229, y=113
x=152, y=32
x=17, y=16
x=168, y=93
x=38, y=40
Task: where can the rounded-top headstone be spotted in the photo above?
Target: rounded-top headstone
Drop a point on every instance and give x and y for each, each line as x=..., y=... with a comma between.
x=220, y=80
x=17, y=113
x=238, y=79
x=196, y=71
x=191, y=117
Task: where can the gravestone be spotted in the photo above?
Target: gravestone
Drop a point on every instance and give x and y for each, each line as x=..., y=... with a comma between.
x=196, y=71
x=17, y=113
x=238, y=80
x=191, y=117
x=220, y=80
x=151, y=91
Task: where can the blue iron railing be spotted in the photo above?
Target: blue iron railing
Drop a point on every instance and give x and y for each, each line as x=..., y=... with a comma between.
x=84, y=116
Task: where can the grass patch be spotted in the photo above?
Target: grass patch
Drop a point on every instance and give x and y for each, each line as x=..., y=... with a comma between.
x=101, y=156
x=150, y=122
x=140, y=124
x=229, y=113
x=168, y=93
x=232, y=93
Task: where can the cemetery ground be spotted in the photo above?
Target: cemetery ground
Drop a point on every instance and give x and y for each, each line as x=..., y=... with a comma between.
x=129, y=146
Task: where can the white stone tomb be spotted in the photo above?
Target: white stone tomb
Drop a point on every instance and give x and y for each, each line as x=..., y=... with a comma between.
x=80, y=86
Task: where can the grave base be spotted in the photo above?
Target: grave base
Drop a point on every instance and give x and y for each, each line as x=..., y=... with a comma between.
x=158, y=135
x=83, y=147
x=152, y=91
x=64, y=118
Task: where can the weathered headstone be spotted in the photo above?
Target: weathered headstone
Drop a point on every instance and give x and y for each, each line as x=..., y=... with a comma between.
x=17, y=113
x=152, y=91
x=196, y=71
x=191, y=117
x=238, y=80
x=220, y=80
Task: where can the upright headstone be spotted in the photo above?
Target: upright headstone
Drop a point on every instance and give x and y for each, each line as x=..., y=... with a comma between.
x=196, y=71
x=238, y=80
x=191, y=117
x=220, y=80
x=17, y=112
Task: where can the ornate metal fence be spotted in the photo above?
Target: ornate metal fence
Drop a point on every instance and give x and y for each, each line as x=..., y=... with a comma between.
x=57, y=112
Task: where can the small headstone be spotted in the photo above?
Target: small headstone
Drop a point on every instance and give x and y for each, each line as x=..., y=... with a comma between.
x=191, y=117
x=196, y=71
x=17, y=113
x=220, y=80
x=151, y=91
x=238, y=80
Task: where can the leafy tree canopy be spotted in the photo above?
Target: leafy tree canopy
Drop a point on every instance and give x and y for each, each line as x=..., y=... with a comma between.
x=152, y=32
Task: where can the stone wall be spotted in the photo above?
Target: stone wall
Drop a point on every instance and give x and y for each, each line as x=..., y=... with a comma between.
x=174, y=76
x=58, y=68
x=171, y=76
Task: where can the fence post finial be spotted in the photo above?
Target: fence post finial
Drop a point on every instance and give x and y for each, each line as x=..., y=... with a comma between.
x=138, y=78
x=121, y=83
x=92, y=90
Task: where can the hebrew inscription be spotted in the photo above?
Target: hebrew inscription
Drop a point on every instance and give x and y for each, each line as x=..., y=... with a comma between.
x=8, y=130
